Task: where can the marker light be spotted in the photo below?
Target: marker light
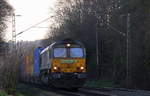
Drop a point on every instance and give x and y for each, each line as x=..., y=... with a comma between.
x=81, y=68
x=55, y=68
x=68, y=45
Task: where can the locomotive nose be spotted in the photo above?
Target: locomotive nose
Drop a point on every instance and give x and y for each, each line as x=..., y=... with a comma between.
x=69, y=65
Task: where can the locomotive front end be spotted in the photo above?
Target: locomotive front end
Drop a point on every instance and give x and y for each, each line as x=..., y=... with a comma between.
x=68, y=67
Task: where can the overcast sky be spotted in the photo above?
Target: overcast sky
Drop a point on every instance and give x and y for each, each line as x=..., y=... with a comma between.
x=32, y=12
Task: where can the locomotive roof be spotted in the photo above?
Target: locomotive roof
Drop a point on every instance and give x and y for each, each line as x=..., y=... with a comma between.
x=66, y=41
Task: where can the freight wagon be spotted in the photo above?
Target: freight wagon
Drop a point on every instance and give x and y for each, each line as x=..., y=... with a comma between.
x=29, y=66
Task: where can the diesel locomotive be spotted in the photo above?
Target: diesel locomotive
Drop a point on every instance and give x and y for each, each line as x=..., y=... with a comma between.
x=61, y=64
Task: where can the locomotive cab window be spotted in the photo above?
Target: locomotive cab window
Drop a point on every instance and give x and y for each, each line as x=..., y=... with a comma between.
x=76, y=52
x=60, y=52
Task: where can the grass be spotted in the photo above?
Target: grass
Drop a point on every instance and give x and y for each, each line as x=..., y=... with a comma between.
x=22, y=90
x=3, y=93
x=99, y=83
x=28, y=90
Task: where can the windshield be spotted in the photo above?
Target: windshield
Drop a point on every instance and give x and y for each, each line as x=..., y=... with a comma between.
x=76, y=52
x=60, y=52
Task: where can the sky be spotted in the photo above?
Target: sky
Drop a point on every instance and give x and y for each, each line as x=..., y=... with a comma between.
x=32, y=12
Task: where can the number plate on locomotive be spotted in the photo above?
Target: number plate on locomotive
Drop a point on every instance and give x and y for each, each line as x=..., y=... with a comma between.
x=68, y=61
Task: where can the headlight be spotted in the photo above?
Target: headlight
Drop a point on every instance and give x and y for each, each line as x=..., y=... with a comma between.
x=81, y=68
x=55, y=68
x=68, y=45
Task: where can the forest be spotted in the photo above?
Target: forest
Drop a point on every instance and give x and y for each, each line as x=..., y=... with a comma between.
x=115, y=33
x=117, y=29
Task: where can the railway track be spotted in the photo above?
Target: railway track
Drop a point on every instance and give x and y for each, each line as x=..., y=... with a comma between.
x=96, y=91
x=86, y=91
x=121, y=91
x=79, y=92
